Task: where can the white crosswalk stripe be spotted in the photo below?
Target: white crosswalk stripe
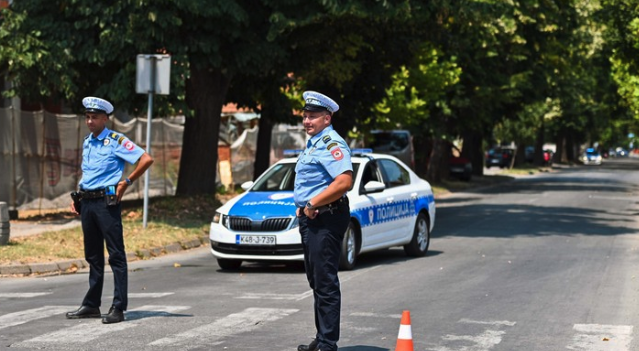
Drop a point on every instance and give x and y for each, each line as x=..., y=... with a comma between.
x=86, y=332
x=485, y=335
x=23, y=295
x=236, y=323
x=600, y=337
x=17, y=318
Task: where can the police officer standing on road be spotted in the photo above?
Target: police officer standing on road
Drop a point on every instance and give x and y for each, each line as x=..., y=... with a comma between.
x=324, y=173
x=101, y=188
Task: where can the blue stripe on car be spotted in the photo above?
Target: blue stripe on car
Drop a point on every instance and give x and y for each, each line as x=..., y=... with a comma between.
x=386, y=212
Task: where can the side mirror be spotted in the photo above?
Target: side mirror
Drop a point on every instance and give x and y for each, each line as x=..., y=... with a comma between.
x=246, y=185
x=374, y=187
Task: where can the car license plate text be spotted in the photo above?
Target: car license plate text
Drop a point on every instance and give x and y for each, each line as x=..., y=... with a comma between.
x=255, y=239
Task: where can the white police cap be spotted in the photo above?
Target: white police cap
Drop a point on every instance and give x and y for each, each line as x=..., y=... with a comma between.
x=319, y=102
x=95, y=104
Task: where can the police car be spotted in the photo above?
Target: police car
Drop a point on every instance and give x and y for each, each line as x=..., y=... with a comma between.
x=390, y=206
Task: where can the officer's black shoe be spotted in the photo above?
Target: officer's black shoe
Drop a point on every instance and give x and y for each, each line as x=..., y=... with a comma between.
x=313, y=346
x=84, y=312
x=115, y=315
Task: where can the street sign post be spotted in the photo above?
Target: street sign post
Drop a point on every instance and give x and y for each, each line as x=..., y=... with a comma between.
x=153, y=77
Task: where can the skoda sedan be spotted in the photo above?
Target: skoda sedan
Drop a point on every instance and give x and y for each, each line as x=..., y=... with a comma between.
x=390, y=206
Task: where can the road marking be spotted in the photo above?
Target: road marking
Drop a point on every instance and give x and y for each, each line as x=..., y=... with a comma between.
x=376, y=315
x=149, y=295
x=268, y=296
x=600, y=337
x=17, y=318
x=483, y=341
x=236, y=323
x=86, y=332
x=495, y=323
x=23, y=295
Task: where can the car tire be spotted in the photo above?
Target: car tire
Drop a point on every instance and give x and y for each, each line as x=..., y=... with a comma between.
x=348, y=255
x=418, y=245
x=230, y=265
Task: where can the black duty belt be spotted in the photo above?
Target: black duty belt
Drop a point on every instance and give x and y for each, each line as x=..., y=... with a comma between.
x=92, y=194
x=332, y=206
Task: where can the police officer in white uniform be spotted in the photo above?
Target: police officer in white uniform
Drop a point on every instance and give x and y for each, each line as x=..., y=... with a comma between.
x=101, y=188
x=324, y=173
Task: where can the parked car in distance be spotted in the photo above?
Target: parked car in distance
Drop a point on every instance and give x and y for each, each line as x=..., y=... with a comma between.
x=458, y=166
x=398, y=143
x=390, y=206
x=500, y=157
x=621, y=152
x=590, y=157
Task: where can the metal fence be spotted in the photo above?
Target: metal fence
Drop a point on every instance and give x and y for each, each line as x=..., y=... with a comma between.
x=41, y=152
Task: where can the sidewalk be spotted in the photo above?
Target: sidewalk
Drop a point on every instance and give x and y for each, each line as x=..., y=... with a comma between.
x=27, y=228
x=22, y=228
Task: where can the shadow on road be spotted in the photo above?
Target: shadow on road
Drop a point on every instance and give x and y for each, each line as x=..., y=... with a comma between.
x=594, y=210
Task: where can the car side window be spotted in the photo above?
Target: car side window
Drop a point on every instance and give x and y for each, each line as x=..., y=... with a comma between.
x=394, y=174
x=370, y=174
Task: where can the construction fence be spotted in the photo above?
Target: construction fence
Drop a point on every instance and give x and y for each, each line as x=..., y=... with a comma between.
x=41, y=154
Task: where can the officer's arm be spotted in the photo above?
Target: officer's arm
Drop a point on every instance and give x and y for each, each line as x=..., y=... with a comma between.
x=143, y=164
x=335, y=190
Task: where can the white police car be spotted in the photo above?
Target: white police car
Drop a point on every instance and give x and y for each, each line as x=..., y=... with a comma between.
x=390, y=206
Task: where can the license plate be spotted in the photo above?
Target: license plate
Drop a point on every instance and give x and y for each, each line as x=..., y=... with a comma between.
x=255, y=239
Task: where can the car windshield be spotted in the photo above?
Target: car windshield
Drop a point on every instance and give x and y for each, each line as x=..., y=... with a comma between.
x=282, y=178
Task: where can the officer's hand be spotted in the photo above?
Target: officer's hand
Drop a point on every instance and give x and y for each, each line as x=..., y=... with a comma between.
x=310, y=213
x=122, y=185
x=73, y=210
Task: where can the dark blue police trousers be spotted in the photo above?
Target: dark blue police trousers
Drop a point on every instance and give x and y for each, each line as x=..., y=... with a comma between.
x=322, y=242
x=102, y=223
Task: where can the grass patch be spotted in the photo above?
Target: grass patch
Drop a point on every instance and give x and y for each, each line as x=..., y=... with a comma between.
x=170, y=220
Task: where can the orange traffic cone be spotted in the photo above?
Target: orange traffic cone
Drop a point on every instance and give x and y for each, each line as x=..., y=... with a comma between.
x=405, y=336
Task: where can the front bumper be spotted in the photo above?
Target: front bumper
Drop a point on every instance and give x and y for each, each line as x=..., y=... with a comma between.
x=288, y=245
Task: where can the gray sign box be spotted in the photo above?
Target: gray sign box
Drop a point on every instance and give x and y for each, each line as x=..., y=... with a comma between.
x=162, y=76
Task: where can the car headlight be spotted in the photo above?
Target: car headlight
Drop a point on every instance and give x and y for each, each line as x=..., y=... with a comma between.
x=221, y=219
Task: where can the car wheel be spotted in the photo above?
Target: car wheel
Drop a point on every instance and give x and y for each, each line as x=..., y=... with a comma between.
x=230, y=265
x=348, y=256
x=418, y=246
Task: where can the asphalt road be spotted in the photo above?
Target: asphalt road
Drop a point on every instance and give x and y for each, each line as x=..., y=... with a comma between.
x=546, y=262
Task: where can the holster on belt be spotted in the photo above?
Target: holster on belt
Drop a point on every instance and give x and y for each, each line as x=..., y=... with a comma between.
x=77, y=198
x=333, y=206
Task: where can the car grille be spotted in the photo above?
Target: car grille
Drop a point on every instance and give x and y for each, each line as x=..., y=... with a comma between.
x=279, y=250
x=269, y=225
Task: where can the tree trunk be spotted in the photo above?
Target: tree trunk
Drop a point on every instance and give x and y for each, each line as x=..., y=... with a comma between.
x=474, y=151
x=538, y=158
x=422, y=150
x=560, y=152
x=263, y=148
x=205, y=92
x=436, y=170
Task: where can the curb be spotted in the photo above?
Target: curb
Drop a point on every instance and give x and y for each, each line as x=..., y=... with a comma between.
x=73, y=265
